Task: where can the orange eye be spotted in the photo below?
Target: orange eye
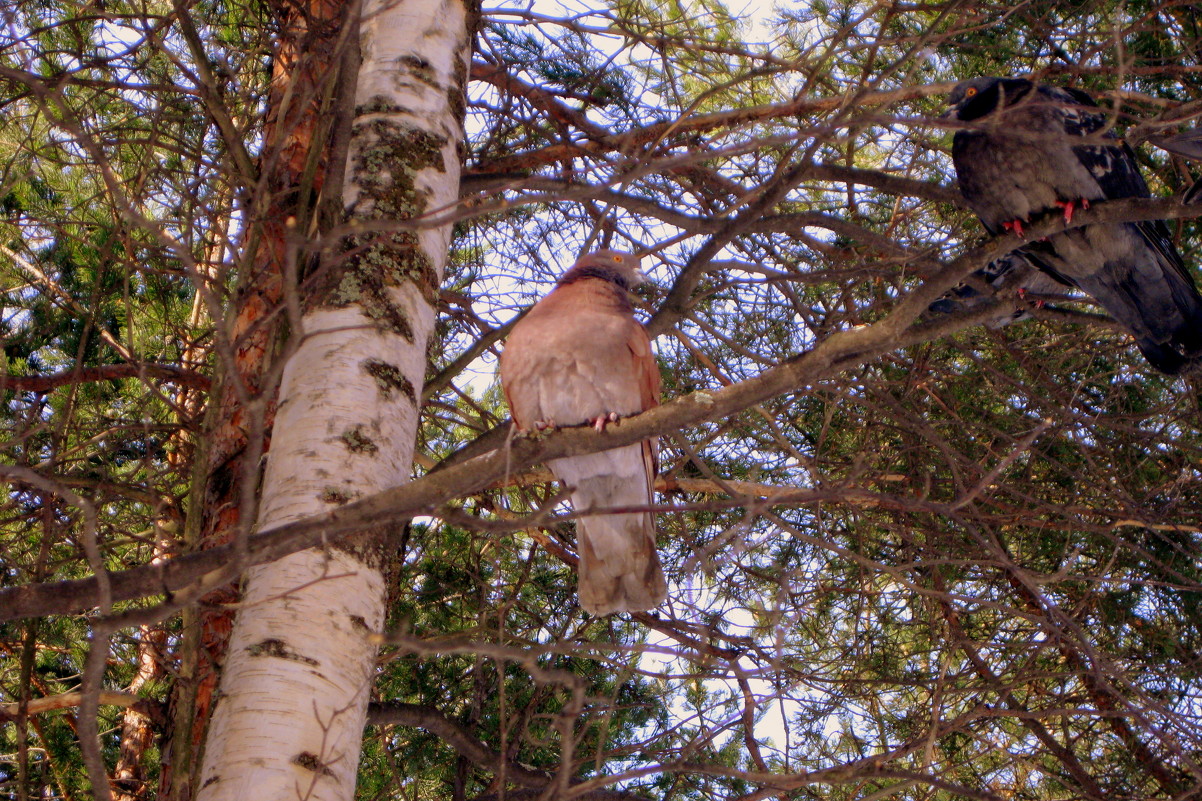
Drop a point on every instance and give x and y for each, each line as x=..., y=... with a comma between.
x=970, y=91
x=617, y=259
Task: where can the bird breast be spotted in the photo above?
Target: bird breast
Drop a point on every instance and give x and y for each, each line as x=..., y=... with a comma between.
x=1006, y=176
x=573, y=367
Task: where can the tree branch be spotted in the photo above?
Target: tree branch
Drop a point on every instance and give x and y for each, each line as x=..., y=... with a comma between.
x=838, y=352
x=456, y=736
x=106, y=372
x=147, y=706
x=425, y=495
x=696, y=123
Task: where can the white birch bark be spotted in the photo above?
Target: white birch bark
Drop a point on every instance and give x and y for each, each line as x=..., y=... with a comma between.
x=295, y=685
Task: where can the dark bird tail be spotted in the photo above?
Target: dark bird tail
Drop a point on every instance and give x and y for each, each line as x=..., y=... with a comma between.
x=1154, y=296
x=1178, y=350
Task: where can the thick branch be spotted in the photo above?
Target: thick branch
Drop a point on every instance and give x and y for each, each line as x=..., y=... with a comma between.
x=425, y=495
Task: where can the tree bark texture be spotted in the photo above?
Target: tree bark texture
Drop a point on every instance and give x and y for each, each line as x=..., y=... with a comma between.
x=291, y=180
x=301, y=659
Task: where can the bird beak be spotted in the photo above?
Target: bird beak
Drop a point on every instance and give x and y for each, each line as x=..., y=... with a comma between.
x=640, y=277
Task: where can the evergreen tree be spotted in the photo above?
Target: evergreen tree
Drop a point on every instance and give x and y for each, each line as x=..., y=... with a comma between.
x=909, y=555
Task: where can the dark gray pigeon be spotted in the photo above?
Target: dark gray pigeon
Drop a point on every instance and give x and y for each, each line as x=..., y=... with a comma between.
x=1012, y=273
x=1029, y=150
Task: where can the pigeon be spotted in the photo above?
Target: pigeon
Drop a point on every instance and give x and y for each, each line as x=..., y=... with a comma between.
x=1012, y=271
x=579, y=356
x=1029, y=149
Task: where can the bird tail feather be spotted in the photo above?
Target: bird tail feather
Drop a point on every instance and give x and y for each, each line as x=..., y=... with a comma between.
x=1163, y=311
x=619, y=568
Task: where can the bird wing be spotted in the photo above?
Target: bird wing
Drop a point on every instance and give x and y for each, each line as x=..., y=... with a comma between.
x=1113, y=165
x=1187, y=145
x=1110, y=160
x=646, y=375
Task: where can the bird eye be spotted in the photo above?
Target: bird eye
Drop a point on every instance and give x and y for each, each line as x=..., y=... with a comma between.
x=617, y=259
x=970, y=91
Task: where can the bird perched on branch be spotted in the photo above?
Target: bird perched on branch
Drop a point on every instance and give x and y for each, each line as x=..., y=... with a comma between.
x=1028, y=150
x=1011, y=272
x=579, y=356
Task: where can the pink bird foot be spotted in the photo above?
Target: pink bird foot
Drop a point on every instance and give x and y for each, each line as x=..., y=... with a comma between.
x=543, y=425
x=1069, y=206
x=1014, y=227
x=600, y=422
x=1022, y=295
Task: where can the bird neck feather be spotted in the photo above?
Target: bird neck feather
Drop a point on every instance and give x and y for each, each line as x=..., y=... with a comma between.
x=580, y=272
x=596, y=287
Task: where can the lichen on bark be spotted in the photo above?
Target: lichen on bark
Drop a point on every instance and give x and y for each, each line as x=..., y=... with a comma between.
x=311, y=761
x=356, y=440
x=338, y=496
x=279, y=649
x=457, y=96
x=384, y=171
x=389, y=379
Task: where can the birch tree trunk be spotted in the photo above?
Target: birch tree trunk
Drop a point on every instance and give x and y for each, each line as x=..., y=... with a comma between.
x=314, y=57
x=294, y=691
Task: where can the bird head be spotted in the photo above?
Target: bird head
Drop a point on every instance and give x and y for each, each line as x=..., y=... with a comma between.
x=613, y=265
x=980, y=97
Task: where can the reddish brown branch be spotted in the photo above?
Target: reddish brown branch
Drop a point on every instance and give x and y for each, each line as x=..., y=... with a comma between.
x=105, y=372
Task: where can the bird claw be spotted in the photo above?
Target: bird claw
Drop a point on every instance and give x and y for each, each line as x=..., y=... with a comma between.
x=543, y=425
x=1014, y=226
x=1022, y=295
x=1069, y=206
x=601, y=421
